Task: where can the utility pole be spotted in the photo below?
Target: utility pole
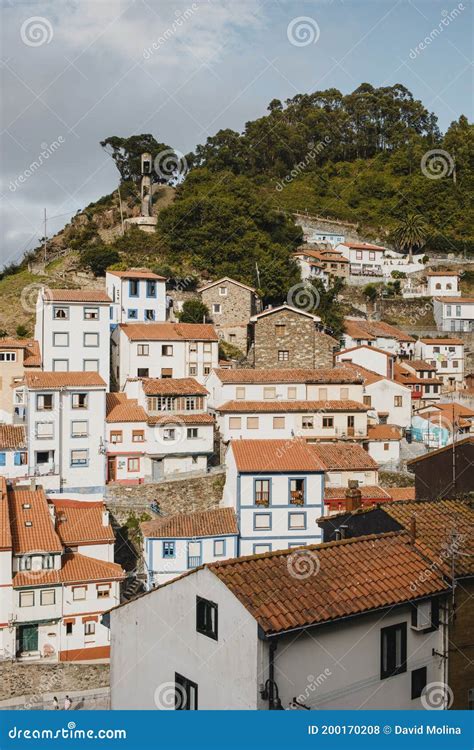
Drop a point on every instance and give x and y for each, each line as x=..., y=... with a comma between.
x=121, y=212
x=454, y=452
x=45, y=237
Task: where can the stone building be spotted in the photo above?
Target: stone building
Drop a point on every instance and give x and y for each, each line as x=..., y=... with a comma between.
x=231, y=305
x=286, y=337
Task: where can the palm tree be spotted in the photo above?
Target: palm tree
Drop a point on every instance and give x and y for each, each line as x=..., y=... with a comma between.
x=411, y=233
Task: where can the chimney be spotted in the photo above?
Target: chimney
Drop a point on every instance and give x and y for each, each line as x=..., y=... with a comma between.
x=33, y=484
x=52, y=512
x=353, y=496
x=413, y=529
x=105, y=517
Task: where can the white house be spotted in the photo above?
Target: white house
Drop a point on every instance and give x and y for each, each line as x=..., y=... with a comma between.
x=175, y=544
x=164, y=350
x=369, y=357
x=442, y=284
x=13, y=451
x=276, y=488
x=331, y=238
x=447, y=355
x=391, y=401
x=126, y=440
x=454, y=314
x=65, y=430
x=420, y=378
x=60, y=580
x=137, y=296
x=346, y=462
x=283, y=385
x=383, y=444
x=72, y=329
x=378, y=334
x=365, y=259
x=347, y=625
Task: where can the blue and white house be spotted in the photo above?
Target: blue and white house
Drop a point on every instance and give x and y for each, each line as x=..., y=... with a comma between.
x=277, y=490
x=178, y=543
x=13, y=451
x=138, y=296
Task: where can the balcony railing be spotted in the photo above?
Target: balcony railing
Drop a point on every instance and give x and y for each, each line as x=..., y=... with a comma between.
x=194, y=561
x=45, y=470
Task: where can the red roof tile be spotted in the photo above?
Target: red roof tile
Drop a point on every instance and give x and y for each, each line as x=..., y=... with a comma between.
x=442, y=273
x=371, y=329
x=31, y=350
x=216, y=522
x=169, y=332
x=344, y=456
x=275, y=455
x=262, y=407
x=322, y=375
x=137, y=274
x=173, y=387
x=178, y=418
x=40, y=535
x=446, y=341
x=402, y=493
x=228, y=280
x=5, y=533
x=63, y=380
x=363, y=246
x=76, y=295
x=12, y=437
x=384, y=432
x=80, y=522
x=75, y=569
x=123, y=409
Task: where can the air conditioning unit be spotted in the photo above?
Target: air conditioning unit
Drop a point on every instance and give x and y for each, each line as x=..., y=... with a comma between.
x=421, y=616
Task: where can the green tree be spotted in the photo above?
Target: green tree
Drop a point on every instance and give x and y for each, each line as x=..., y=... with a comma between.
x=370, y=292
x=194, y=311
x=410, y=234
x=127, y=152
x=21, y=331
x=98, y=258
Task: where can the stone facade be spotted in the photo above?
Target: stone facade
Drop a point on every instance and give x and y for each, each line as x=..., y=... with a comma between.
x=288, y=339
x=18, y=678
x=231, y=311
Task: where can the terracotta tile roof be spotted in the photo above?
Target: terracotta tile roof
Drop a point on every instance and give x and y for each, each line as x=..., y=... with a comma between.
x=12, y=437
x=145, y=273
x=405, y=377
x=441, y=273
x=275, y=455
x=353, y=576
x=402, y=493
x=216, y=522
x=173, y=387
x=436, y=520
x=80, y=522
x=76, y=568
x=420, y=365
x=169, y=331
x=456, y=300
x=367, y=376
x=228, y=280
x=122, y=409
x=63, y=379
x=322, y=375
x=344, y=456
x=447, y=413
x=447, y=342
x=268, y=407
x=285, y=308
x=5, y=533
x=363, y=346
x=362, y=246
x=384, y=432
x=180, y=418
x=371, y=329
x=31, y=350
x=76, y=295
x=40, y=536
x=335, y=497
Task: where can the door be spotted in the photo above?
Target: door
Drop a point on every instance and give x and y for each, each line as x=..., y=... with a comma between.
x=157, y=469
x=350, y=425
x=111, y=469
x=194, y=554
x=28, y=638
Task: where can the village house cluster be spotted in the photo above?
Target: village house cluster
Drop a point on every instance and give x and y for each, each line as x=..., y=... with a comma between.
x=113, y=391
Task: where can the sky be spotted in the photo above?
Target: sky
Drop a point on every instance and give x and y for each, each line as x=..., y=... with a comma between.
x=74, y=72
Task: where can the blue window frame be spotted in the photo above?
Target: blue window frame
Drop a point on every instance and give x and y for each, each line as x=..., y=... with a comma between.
x=151, y=288
x=149, y=315
x=257, y=520
x=260, y=549
x=3, y=459
x=262, y=491
x=219, y=547
x=132, y=314
x=299, y=518
x=169, y=549
x=19, y=459
x=133, y=288
x=111, y=313
x=296, y=491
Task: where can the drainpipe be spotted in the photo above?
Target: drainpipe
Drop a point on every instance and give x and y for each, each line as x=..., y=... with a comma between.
x=269, y=691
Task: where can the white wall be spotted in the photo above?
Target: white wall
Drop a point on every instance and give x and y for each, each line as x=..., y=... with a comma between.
x=383, y=394
x=384, y=451
x=118, y=291
x=293, y=425
x=443, y=286
x=161, y=569
x=366, y=357
x=448, y=359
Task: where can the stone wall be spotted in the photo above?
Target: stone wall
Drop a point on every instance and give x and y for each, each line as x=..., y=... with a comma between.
x=236, y=307
x=36, y=679
x=297, y=339
x=324, y=347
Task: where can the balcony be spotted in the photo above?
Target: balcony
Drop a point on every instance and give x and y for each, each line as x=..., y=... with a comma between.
x=262, y=498
x=45, y=470
x=194, y=561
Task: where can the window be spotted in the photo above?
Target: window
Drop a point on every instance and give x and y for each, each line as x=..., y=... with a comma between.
x=444, y=363
x=89, y=627
x=260, y=549
x=79, y=593
x=292, y=393
x=262, y=492
x=283, y=355
x=296, y=520
x=166, y=350
x=344, y=393
x=455, y=363
x=206, y=617
x=44, y=402
x=217, y=309
x=269, y=393
x=44, y=430
x=234, y=423
x=223, y=291
x=60, y=313
x=297, y=491
x=69, y=628
x=60, y=339
x=458, y=311
x=142, y=372
x=206, y=369
x=103, y=591
x=193, y=369
x=7, y=356
x=186, y=694
x=132, y=314
x=149, y=315
x=60, y=365
x=393, y=650
x=398, y=400
x=143, y=350
x=91, y=313
x=169, y=433
x=91, y=339
x=240, y=392
x=418, y=682
x=328, y=422
x=323, y=394
x=133, y=288
x=252, y=423
x=367, y=400
x=386, y=446
x=192, y=433
x=371, y=255
x=25, y=563
x=116, y=436
x=436, y=349
x=79, y=428
x=307, y=422
x=27, y=598
x=358, y=254
x=168, y=549
x=280, y=329
x=219, y=547
x=278, y=423
x=3, y=459
x=79, y=458
x=47, y=597
x=151, y=288
x=133, y=464
x=448, y=311
x=138, y=436
x=262, y=521
x=79, y=400
x=47, y=562
x=207, y=347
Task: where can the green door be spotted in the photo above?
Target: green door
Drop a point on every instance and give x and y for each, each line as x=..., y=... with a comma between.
x=28, y=640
